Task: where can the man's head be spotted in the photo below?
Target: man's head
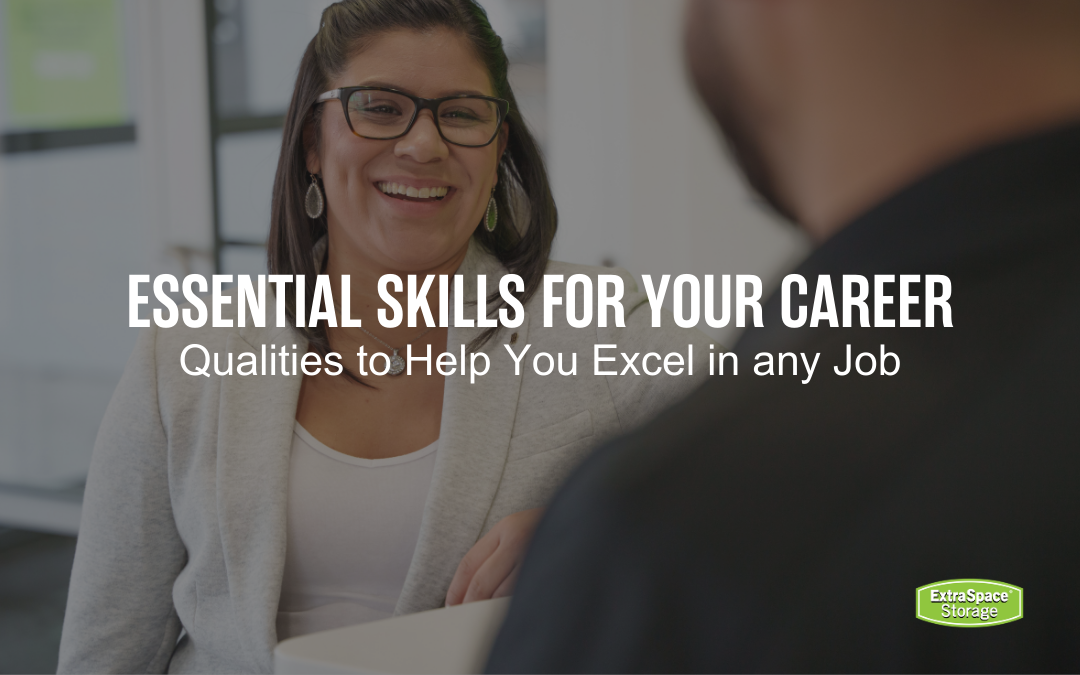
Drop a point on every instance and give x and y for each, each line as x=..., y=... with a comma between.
x=831, y=105
x=733, y=72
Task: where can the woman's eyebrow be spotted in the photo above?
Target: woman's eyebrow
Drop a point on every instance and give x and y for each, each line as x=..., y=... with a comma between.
x=384, y=85
x=464, y=92
x=406, y=90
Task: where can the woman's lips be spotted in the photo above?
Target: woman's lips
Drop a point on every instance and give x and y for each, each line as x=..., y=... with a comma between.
x=414, y=207
x=408, y=192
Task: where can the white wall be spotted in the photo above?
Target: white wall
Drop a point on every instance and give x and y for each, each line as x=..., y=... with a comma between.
x=639, y=174
x=173, y=125
x=74, y=223
x=278, y=31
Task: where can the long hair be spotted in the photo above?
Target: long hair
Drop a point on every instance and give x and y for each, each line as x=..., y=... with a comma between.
x=527, y=214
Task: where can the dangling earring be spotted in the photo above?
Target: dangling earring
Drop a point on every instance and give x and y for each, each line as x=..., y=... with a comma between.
x=491, y=218
x=313, y=200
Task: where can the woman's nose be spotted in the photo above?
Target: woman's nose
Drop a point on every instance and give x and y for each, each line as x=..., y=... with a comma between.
x=423, y=142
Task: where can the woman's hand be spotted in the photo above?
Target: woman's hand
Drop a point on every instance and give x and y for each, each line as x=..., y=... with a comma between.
x=490, y=568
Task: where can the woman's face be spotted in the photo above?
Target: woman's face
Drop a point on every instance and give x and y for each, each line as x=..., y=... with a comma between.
x=396, y=233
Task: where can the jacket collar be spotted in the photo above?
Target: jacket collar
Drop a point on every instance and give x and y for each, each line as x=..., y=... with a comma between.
x=474, y=439
x=253, y=445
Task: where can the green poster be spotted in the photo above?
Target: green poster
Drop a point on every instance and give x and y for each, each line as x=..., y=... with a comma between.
x=64, y=64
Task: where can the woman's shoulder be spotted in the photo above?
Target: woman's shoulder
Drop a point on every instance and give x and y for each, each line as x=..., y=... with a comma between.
x=566, y=279
x=217, y=324
x=208, y=339
x=631, y=333
x=630, y=319
x=560, y=282
x=568, y=269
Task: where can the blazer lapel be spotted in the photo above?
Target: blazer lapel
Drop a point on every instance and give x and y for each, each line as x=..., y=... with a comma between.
x=255, y=428
x=474, y=439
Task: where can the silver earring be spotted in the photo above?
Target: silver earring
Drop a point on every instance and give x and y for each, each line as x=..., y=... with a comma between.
x=313, y=200
x=491, y=218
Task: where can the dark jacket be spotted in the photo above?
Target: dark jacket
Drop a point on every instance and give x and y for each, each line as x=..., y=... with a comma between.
x=768, y=525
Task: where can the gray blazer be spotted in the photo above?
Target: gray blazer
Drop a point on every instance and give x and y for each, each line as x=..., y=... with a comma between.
x=182, y=542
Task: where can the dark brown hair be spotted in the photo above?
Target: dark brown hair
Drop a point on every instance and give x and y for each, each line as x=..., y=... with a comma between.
x=527, y=216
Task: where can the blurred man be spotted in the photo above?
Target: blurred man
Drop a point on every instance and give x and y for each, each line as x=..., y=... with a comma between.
x=770, y=525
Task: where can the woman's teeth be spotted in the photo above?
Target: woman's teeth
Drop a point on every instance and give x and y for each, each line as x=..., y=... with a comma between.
x=410, y=191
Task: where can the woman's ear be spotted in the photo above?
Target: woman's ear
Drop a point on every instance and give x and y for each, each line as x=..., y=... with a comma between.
x=504, y=137
x=311, y=148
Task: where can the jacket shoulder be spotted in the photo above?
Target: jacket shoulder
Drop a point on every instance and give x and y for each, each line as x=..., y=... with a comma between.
x=213, y=337
x=592, y=271
x=631, y=299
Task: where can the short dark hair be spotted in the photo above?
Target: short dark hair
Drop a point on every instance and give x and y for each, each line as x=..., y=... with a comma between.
x=527, y=215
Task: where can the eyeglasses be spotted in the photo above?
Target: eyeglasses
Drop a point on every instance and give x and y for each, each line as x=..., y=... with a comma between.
x=382, y=114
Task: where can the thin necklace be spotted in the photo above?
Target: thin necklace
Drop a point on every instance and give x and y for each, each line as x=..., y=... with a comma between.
x=397, y=364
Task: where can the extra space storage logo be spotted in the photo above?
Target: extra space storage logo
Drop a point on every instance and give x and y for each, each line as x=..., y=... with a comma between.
x=969, y=603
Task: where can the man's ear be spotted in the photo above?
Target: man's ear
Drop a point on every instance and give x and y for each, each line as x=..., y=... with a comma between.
x=311, y=148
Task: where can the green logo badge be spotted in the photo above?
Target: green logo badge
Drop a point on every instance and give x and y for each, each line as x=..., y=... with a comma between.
x=969, y=603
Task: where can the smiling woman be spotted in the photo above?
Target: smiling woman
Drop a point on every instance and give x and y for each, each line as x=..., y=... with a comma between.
x=242, y=512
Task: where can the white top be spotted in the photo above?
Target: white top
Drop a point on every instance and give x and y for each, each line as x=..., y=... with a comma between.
x=352, y=527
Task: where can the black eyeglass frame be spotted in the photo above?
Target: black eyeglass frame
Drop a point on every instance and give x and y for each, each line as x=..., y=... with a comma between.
x=502, y=107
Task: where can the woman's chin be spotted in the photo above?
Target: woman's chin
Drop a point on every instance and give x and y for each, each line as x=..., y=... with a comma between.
x=405, y=245
x=419, y=256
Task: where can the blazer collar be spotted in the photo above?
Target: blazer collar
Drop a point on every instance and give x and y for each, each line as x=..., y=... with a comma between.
x=474, y=439
x=254, y=442
x=254, y=439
